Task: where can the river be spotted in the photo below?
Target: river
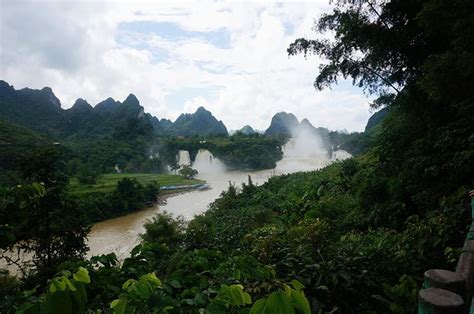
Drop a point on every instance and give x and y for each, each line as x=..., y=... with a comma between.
x=120, y=235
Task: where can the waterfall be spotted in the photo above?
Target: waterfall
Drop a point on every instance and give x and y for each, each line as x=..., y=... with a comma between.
x=305, y=151
x=340, y=155
x=302, y=154
x=205, y=162
x=183, y=158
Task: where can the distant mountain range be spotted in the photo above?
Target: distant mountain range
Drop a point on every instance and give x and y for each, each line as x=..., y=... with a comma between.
x=40, y=110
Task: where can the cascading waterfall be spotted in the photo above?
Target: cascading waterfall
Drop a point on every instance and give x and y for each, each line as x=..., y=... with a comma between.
x=340, y=155
x=305, y=152
x=302, y=156
x=183, y=158
x=205, y=162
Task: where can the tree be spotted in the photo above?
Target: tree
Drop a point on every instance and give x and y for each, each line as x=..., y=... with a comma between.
x=417, y=57
x=49, y=223
x=384, y=47
x=86, y=175
x=128, y=195
x=174, y=166
x=188, y=172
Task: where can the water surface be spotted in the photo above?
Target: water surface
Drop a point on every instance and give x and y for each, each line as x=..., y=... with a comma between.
x=120, y=235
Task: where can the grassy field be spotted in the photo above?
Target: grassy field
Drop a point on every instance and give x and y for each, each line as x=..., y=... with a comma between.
x=107, y=182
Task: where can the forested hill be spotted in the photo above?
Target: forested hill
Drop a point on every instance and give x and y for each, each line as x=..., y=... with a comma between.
x=40, y=110
x=201, y=122
x=15, y=141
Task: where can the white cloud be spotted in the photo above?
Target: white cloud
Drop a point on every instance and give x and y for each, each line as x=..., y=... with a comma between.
x=78, y=50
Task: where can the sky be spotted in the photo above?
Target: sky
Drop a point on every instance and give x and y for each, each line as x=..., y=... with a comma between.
x=229, y=57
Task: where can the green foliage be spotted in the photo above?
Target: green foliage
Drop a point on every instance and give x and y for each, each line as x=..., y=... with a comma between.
x=358, y=234
x=401, y=298
x=202, y=122
x=128, y=195
x=85, y=175
x=188, y=172
x=144, y=295
x=15, y=142
x=229, y=298
x=334, y=230
x=42, y=215
x=292, y=300
x=66, y=293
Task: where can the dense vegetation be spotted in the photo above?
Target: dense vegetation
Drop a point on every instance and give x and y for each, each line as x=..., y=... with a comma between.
x=355, y=236
x=121, y=135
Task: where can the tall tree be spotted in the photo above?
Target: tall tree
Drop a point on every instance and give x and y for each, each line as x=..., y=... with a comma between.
x=417, y=57
x=49, y=224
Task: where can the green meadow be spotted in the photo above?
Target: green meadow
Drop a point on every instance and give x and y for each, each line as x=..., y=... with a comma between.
x=107, y=182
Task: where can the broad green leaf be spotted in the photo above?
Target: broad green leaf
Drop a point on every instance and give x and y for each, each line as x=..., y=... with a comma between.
x=119, y=306
x=114, y=303
x=143, y=290
x=57, y=284
x=69, y=284
x=236, y=297
x=82, y=275
x=279, y=303
x=247, y=298
x=151, y=277
x=39, y=188
x=259, y=307
x=79, y=298
x=300, y=301
x=297, y=285
x=128, y=283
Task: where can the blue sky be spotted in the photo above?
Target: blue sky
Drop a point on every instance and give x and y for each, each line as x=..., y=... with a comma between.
x=176, y=56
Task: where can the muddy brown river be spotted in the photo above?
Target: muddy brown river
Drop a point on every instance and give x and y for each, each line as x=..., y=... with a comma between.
x=120, y=235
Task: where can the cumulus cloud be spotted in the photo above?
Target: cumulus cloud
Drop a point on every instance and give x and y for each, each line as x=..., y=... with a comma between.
x=235, y=53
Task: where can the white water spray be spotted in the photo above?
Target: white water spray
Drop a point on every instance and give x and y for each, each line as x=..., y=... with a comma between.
x=340, y=155
x=205, y=162
x=305, y=151
x=183, y=158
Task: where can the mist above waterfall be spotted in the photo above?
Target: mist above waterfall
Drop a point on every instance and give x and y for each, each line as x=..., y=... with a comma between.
x=305, y=143
x=205, y=162
x=305, y=151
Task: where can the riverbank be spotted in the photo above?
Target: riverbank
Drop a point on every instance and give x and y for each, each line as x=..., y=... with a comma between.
x=107, y=182
x=115, y=195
